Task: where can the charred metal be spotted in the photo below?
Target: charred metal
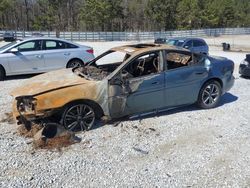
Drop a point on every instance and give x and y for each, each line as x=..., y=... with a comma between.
x=123, y=81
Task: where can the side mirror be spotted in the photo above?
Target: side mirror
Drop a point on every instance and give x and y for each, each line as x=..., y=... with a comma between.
x=187, y=47
x=14, y=50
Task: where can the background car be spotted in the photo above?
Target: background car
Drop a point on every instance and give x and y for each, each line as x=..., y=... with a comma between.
x=196, y=45
x=36, y=55
x=161, y=40
x=244, y=69
x=37, y=34
x=137, y=79
x=9, y=36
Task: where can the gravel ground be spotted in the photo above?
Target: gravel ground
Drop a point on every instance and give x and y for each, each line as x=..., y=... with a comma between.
x=185, y=147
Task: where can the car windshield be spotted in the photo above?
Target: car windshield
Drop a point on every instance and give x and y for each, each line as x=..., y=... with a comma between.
x=8, y=45
x=180, y=43
x=103, y=65
x=175, y=42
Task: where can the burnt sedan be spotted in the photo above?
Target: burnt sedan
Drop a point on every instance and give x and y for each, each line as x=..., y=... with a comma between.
x=123, y=81
x=244, y=69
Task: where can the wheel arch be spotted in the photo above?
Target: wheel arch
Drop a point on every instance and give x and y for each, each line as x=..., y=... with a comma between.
x=215, y=79
x=4, y=71
x=72, y=59
x=96, y=107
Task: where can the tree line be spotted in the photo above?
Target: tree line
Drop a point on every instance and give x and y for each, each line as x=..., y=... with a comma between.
x=122, y=15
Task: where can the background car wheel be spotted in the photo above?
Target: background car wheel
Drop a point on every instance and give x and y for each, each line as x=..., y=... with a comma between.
x=74, y=63
x=78, y=117
x=209, y=95
x=2, y=73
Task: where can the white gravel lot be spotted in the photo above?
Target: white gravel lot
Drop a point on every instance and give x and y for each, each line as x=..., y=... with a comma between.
x=185, y=147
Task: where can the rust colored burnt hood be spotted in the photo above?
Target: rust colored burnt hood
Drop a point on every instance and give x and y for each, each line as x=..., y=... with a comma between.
x=49, y=81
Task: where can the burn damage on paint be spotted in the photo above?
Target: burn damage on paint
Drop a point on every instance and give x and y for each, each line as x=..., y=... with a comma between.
x=122, y=81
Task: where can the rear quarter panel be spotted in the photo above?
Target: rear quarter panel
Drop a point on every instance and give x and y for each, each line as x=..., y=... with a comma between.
x=222, y=68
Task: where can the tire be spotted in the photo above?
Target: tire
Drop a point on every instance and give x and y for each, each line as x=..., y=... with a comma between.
x=78, y=117
x=74, y=63
x=210, y=95
x=2, y=73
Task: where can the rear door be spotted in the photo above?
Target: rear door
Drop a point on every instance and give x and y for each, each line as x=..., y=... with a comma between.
x=184, y=75
x=55, y=55
x=28, y=58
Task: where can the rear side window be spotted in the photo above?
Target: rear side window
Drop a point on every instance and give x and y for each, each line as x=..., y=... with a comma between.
x=68, y=45
x=177, y=59
x=54, y=45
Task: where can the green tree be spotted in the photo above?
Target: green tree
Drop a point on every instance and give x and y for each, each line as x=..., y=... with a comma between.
x=5, y=8
x=100, y=15
x=162, y=13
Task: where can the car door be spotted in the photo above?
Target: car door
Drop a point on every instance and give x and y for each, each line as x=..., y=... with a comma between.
x=27, y=59
x=131, y=92
x=184, y=78
x=55, y=54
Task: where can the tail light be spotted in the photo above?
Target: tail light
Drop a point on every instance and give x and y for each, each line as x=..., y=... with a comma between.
x=91, y=51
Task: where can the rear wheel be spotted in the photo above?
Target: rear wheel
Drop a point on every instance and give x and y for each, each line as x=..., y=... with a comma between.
x=210, y=94
x=74, y=63
x=78, y=117
x=2, y=73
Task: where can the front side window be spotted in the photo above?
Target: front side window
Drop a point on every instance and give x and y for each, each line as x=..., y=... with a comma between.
x=29, y=46
x=144, y=65
x=198, y=43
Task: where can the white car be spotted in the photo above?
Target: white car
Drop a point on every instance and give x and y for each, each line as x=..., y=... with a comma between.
x=37, y=55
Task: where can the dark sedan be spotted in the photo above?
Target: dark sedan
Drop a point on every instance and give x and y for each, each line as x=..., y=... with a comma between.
x=244, y=69
x=9, y=36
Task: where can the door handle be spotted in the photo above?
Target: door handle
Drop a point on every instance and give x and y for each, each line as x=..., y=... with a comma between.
x=67, y=54
x=199, y=73
x=155, y=83
x=39, y=56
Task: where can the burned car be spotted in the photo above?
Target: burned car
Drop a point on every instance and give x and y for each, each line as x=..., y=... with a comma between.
x=123, y=81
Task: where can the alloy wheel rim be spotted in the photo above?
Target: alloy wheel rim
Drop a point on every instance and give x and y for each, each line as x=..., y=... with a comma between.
x=74, y=64
x=210, y=94
x=79, y=117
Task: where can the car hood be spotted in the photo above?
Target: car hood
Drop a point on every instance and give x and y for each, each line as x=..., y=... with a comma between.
x=48, y=82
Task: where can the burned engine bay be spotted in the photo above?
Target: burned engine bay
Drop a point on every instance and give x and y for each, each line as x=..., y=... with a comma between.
x=92, y=72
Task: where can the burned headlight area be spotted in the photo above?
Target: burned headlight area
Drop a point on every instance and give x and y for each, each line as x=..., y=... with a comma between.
x=26, y=104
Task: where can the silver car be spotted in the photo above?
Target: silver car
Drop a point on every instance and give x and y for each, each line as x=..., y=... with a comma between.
x=36, y=55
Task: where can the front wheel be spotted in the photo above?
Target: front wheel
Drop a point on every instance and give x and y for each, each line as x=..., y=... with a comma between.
x=210, y=94
x=78, y=117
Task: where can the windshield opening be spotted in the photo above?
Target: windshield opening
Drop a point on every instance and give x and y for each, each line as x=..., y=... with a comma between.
x=175, y=42
x=103, y=65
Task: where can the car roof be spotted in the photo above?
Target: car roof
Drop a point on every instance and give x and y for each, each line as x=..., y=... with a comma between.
x=145, y=47
x=186, y=38
x=45, y=38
